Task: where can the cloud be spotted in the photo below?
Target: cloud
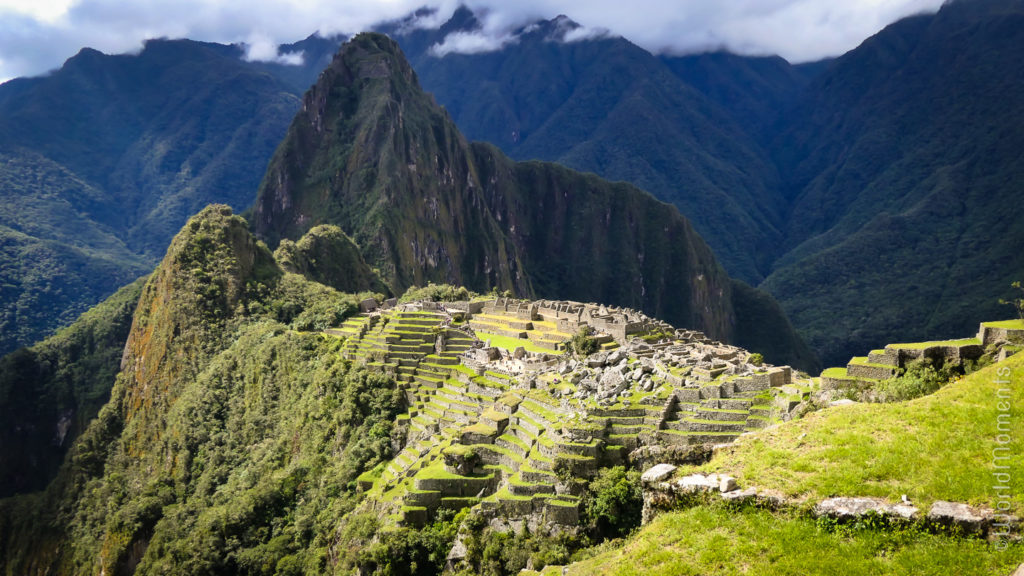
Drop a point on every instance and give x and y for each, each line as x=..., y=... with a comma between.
x=39, y=36
x=260, y=48
x=471, y=43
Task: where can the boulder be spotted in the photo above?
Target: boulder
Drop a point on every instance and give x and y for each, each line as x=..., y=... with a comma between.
x=954, y=514
x=853, y=508
x=657, y=473
x=615, y=357
x=709, y=483
x=611, y=384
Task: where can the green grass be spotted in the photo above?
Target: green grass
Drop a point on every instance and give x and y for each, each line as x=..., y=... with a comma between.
x=938, y=447
x=508, y=343
x=863, y=361
x=481, y=429
x=712, y=540
x=1008, y=324
x=923, y=345
x=835, y=373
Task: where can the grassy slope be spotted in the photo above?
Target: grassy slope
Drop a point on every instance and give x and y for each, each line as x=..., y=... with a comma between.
x=715, y=541
x=937, y=447
x=934, y=448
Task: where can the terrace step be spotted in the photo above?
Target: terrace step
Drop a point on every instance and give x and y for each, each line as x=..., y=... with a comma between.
x=716, y=414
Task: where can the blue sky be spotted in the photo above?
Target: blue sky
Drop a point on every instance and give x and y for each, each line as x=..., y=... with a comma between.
x=38, y=35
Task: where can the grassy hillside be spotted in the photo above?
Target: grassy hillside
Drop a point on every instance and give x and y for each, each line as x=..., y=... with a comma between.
x=938, y=447
x=714, y=540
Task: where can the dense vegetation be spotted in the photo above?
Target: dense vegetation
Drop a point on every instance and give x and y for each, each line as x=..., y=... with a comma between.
x=373, y=154
x=875, y=192
x=49, y=392
x=231, y=439
x=605, y=105
x=102, y=161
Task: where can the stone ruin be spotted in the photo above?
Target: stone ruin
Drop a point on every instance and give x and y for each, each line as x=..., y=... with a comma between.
x=502, y=417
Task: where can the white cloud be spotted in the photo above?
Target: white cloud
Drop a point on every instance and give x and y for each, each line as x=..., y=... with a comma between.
x=38, y=36
x=471, y=43
x=48, y=11
x=263, y=48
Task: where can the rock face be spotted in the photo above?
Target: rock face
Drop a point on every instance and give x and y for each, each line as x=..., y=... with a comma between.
x=372, y=153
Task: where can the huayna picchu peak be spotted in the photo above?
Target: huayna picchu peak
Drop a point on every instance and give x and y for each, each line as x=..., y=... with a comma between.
x=373, y=154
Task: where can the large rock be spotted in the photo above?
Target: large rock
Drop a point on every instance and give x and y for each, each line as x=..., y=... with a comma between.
x=657, y=473
x=708, y=483
x=845, y=508
x=954, y=514
x=612, y=382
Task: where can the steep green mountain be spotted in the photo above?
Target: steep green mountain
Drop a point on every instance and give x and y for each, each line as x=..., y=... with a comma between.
x=373, y=154
x=50, y=392
x=223, y=421
x=903, y=162
x=103, y=160
x=605, y=105
x=327, y=255
x=754, y=90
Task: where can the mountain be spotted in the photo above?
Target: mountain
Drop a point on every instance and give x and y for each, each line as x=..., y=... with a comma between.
x=49, y=392
x=870, y=194
x=104, y=159
x=220, y=381
x=901, y=163
x=602, y=104
x=372, y=153
x=754, y=90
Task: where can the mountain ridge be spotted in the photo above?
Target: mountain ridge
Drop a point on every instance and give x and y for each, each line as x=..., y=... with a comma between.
x=372, y=153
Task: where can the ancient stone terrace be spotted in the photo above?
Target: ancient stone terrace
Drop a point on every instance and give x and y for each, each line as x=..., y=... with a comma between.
x=866, y=371
x=500, y=416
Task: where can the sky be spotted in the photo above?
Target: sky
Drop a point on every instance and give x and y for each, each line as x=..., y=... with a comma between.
x=39, y=35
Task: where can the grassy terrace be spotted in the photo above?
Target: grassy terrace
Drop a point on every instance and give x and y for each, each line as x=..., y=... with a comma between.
x=510, y=344
x=938, y=447
x=1007, y=324
x=923, y=345
x=863, y=361
x=835, y=373
x=713, y=540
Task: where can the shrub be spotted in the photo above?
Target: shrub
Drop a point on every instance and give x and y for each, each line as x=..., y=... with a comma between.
x=583, y=343
x=614, y=502
x=921, y=378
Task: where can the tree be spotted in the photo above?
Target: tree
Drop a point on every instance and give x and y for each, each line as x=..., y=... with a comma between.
x=583, y=343
x=1017, y=303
